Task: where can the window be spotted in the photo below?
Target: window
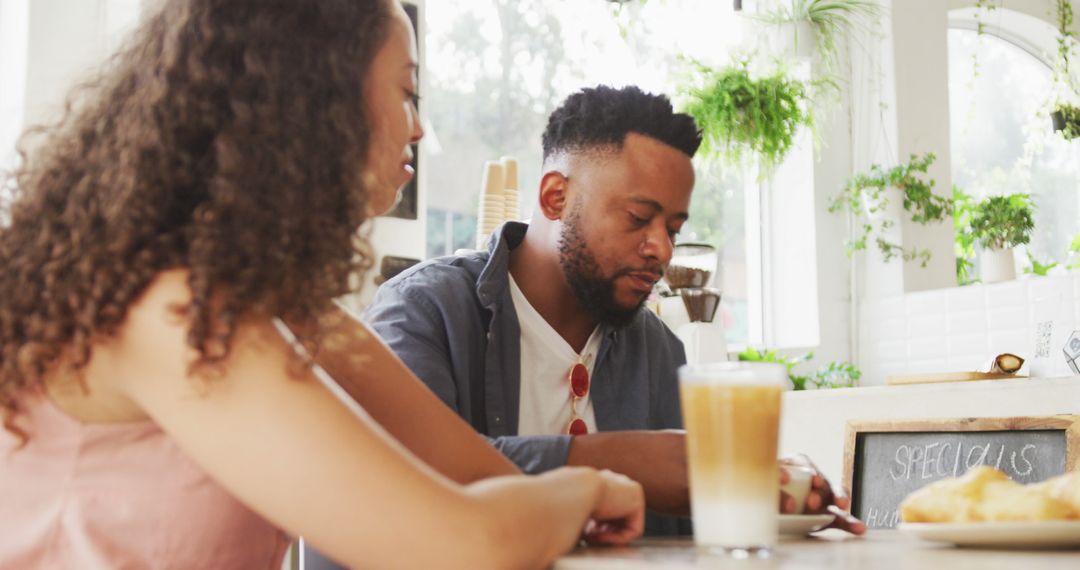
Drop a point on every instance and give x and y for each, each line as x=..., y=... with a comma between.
x=37, y=72
x=497, y=68
x=14, y=24
x=1001, y=136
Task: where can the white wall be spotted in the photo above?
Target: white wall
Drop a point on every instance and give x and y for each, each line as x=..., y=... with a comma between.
x=834, y=270
x=961, y=329
x=920, y=62
x=14, y=21
x=67, y=42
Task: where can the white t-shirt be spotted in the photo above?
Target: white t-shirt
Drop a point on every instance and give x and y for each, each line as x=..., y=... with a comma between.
x=546, y=360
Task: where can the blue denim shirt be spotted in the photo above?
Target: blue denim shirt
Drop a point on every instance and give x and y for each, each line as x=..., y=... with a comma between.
x=452, y=321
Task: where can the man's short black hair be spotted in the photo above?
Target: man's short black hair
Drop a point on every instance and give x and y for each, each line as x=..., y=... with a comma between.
x=602, y=117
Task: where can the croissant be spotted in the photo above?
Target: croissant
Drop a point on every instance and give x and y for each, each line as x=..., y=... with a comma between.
x=987, y=494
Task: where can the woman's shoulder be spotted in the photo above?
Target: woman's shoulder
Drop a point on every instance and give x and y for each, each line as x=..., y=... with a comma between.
x=95, y=392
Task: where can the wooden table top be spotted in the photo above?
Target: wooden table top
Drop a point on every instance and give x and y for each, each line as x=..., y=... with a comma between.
x=833, y=550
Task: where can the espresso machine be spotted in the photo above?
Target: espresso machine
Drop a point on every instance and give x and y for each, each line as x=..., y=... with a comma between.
x=690, y=307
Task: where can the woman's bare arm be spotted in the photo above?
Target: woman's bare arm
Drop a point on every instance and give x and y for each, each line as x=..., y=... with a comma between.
x=371, y=374
x=310, y=464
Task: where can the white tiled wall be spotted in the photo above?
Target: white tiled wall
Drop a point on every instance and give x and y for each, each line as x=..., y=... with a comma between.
x=960, y=329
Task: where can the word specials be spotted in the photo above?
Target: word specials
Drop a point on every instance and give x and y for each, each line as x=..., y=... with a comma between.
x=951, y=458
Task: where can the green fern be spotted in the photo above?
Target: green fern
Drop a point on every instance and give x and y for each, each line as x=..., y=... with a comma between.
x=741, y=116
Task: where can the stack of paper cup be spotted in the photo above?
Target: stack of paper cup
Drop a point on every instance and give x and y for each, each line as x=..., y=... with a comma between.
x=511, y=195
x=492, y=204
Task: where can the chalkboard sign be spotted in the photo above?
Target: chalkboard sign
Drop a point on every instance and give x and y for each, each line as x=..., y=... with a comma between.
x=886, y=461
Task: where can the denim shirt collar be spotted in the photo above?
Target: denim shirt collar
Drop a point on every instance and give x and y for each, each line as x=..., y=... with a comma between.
x=495, y=277
x=630, y=364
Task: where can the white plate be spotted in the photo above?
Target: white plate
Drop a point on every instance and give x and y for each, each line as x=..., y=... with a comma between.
x=1048, y=534
x=799, y=525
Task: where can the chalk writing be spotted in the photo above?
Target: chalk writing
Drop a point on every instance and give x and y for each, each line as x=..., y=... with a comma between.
x=878, y=518
x=943, y=459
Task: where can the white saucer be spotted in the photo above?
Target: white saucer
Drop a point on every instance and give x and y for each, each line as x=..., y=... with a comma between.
x=1046, y=534
x=800, y=525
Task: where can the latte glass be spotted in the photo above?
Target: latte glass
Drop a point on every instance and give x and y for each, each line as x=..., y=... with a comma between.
x=731, y=412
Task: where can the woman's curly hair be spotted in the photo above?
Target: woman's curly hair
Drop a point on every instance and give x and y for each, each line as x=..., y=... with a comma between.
x=228, y=137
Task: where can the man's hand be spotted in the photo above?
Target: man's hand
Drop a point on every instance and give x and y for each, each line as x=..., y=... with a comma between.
x=823, y=498
x=656, y=459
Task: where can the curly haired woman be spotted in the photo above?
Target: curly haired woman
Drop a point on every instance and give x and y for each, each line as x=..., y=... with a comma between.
x=167, y=329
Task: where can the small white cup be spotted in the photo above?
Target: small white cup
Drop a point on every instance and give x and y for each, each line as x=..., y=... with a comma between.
x=798, y=485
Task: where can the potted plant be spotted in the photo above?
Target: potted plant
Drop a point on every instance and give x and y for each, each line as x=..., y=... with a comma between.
x=833, y=375
x=836, y=375
x=1074, y=253
x=963, y=240
x=998, y=224
x=808, y=26
x=867, y=197
x=740, y=114
x=1039, y=268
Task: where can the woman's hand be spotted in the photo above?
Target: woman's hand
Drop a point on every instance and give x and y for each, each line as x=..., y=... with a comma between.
x=619, y=515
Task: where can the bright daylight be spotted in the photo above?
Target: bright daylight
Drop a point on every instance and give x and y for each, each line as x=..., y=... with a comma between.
x=566, y=284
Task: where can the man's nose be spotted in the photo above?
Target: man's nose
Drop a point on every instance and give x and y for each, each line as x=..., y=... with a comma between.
x=656, y=244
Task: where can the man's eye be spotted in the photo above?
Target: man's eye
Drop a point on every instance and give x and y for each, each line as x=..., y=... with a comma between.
x=673, y=234
x=413, y=97
x=638, y=221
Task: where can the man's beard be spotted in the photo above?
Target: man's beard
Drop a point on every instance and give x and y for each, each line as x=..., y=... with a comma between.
x=594, y=292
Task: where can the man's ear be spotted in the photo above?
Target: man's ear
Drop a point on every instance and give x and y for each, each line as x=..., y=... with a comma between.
x=553, y=195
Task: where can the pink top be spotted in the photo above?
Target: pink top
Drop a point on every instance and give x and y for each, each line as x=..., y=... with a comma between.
x=118, y=496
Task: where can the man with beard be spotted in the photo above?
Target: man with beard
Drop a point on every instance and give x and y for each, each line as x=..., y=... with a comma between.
x=541, y=342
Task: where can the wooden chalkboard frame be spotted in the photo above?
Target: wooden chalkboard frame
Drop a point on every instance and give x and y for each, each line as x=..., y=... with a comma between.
x=1070, y=424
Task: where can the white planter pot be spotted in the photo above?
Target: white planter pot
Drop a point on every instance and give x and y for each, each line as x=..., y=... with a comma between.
x=793, y=39
x=997, y=265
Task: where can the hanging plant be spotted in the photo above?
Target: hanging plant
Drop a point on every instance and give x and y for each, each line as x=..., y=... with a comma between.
x=1066, y=36
x=740, y=115
x=982, y=9
x=1066, y=120
x=830, y=20
x=867, y=195
x=819, y=27
x=1065, y=116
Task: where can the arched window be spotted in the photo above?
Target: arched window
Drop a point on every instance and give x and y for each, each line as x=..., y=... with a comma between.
x=1002, y=141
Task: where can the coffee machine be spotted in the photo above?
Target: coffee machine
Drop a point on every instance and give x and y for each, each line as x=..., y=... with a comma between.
x=690, y=308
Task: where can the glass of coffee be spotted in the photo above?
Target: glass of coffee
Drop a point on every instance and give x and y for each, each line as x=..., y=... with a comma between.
x=731, y=412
